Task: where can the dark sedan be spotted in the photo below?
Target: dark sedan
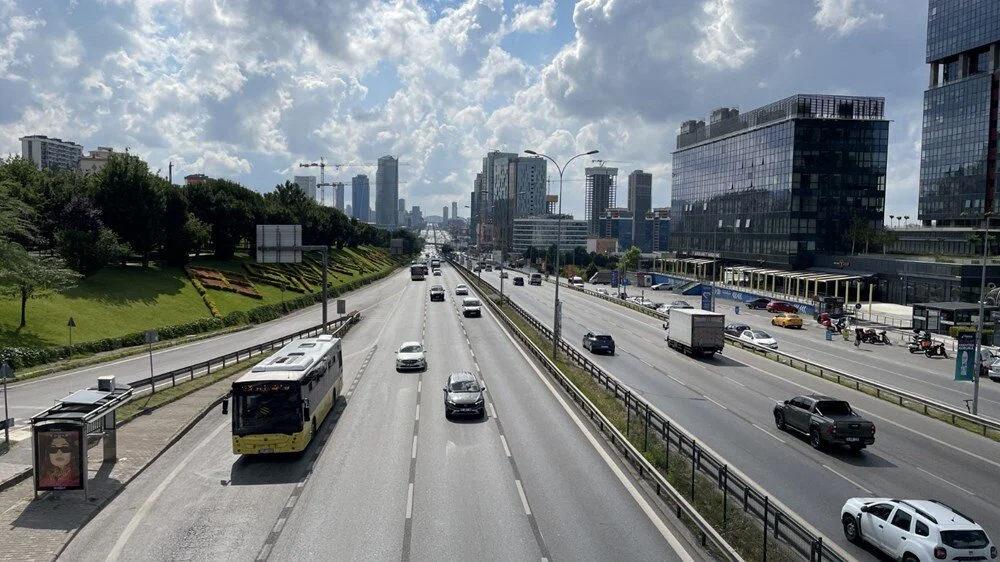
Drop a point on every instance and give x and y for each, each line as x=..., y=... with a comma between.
x=599, y=343
x=778, y=306
x=519, y=281
x=759, y=304
x=437, y=293
x=464, y=395
x=736, y=329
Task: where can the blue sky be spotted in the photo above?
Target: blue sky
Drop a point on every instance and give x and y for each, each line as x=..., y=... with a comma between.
x=246, y=89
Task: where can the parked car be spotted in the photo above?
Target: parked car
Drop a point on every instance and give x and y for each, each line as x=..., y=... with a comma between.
x=647, y=303
x=826, y=421
x=787, y=320
x=599, y=343
x=410, y=355
x=461, y=289
x=519, y=281
x=489, y=267
x=759, y=337
x=661, y=287
x=915, y=530
x=471, y=307
x=736, y=330
x=464, y=395
x=437, y=293
x=758, y=304
x=779, y=306
x=603, y=292
x=576, y=282
x=680, y=304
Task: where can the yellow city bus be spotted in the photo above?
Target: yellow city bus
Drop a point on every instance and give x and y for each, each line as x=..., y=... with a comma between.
x=280, y=403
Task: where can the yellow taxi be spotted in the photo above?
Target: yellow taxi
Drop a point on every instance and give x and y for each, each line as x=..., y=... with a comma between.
x=787, y=320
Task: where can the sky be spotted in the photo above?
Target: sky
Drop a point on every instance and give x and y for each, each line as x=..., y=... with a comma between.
x=248, y=89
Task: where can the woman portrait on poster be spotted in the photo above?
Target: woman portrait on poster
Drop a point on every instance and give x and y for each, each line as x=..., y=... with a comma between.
x=59, y=466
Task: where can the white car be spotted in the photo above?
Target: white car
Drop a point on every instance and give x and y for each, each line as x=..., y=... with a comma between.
x=759, y=337
x=915, y=530
x=471, y=307
x=411, y=356
x=661, y=287
x=603, y=292
x=461, y=289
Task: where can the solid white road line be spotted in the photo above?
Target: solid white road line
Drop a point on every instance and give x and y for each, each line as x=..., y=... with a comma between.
x=506, y=450
x=524, y=499
x=147, y=505
x=769, y=433
x=714, y=402
x=644, y=505
x=416, y=417
x=848, y=479
x=413, y=450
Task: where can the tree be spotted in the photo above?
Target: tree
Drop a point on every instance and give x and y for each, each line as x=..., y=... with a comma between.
x=29, y=276
x=230, y=210
x=132, y=203
x=630, y=259
x=886, y=238
x=83, y=241
x=591, y=270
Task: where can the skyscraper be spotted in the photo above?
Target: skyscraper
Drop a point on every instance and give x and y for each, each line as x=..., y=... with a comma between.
x=308, y=185
x=640, y=202
x=489, y=193
x=338, y=195
x=402, y=204
x=360, y=198
x=958, y=153
x=777, y=185
x=444, y=212
x=387, y=192
x=454, y=209
x=601, y=188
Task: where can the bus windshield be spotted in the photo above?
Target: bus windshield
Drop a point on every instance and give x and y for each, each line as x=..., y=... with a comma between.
x=268, y=407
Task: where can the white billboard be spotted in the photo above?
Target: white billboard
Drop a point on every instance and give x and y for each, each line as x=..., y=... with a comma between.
x=279, y=243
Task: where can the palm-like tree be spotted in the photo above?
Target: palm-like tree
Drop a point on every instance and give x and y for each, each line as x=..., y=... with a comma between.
x=907, y=217
x=891, y=217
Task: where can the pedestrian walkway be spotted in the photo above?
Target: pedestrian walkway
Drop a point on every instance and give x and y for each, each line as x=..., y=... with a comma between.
x=36, y=529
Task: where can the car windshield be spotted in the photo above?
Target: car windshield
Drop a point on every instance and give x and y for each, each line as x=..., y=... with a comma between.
x=411, y=349
x=970, y=538
x=471, y=302
x=464, y=386
x=760, y=335
x=834, y=408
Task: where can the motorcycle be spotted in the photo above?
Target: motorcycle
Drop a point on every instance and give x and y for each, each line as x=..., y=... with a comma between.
x=936, y=349
x=883, y=338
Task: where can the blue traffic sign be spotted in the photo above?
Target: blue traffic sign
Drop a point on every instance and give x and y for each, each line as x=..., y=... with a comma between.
x=707, y=300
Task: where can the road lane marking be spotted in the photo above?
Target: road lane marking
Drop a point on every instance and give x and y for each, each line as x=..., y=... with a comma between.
x=848, y=479
x=714, y=402
x=524, y=499
x=147, y=505
x=409, y=501
x=506, y=450
x=413, y=450
x=929, y=473
x=644, y=505
x=493, y=410
x=416, y=417
x=769, y=433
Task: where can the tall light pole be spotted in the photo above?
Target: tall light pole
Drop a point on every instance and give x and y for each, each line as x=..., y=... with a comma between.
x=555, y=307
x=982, y=301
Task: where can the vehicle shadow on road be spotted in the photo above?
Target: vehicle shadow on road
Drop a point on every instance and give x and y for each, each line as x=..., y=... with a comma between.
x=468, y=420
x=866, y=458
x=286, y=468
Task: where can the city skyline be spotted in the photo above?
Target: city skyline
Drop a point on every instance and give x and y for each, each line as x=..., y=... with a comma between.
x=528, y=81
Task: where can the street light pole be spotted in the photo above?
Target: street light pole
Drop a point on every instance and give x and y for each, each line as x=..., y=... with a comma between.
x=556, y=325
x=979, y=324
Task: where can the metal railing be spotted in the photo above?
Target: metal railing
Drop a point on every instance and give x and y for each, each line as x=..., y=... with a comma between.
x=340, y=327
x=903, y=398
x=775, y=520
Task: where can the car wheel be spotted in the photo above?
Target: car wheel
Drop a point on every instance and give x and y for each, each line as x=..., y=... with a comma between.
x=851, y=530
x=779, y=421
x=910, y=558
x=815, y=440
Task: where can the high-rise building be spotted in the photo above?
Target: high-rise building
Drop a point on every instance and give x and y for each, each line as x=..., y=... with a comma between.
x=338, y=195
x=444, y=212
x=778, y=184
x=51, y=153
x=416, y=216
x=360, y=197
x=640, y=201
x=308, y=185
x=958, y=152
x=519, y=184
x=543, y=232
x=474, y=209
x=601, y=188
x=387, y=192
x=349, y=211
x=401, y=204
x=657, y=230
x=489, y=193
x=454, y=209
x=617, y=223
x=195, y=179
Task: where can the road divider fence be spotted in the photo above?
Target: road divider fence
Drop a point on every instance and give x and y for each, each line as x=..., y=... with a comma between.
x=776, y=522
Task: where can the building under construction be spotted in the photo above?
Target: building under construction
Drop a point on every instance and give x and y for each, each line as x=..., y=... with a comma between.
x=602, y=183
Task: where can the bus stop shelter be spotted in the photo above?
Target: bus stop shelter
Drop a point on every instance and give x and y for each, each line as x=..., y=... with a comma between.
x=801, y=284
x=61, y=435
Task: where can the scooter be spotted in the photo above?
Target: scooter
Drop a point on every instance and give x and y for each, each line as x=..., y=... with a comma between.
x=936, y=349
x=883, y=338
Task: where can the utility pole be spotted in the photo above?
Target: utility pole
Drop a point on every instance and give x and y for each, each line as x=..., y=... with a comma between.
x=979, y=324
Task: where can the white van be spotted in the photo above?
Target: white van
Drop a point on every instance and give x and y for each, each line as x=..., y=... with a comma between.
x=576, y=281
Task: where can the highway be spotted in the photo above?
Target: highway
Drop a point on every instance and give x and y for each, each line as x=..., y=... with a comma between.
x=389, y=477
x=727, y=402
x=34, y=395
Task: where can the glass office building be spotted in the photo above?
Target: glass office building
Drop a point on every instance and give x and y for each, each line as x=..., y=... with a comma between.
x=780, y=183
x=958, y=151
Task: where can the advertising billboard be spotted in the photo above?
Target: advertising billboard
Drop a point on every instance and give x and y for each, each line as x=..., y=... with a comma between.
x=60, y=457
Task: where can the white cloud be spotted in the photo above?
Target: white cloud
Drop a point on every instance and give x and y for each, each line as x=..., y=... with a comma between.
x=722, y=44
x=845, y=16
x=530, y=19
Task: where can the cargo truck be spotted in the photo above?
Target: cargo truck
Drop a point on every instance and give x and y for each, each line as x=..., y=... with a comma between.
x=696, y=332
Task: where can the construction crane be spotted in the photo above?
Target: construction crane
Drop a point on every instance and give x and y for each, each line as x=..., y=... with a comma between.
x=602, y=163
x=362, y=165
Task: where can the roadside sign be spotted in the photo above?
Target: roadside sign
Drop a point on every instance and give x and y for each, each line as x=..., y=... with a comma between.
x=71, y=323
x=152, y=336
x=857, y=306
x=614, y=278
x=707, y=300
x=7, y=423
x=6, y=372
x=965, y=358
x=341, y=306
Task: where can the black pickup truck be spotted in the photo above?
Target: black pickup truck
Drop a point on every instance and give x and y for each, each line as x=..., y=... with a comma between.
x=827, y=421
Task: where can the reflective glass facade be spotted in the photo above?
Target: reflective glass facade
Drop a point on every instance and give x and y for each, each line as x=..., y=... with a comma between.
x=776, y=192
x=955, y=26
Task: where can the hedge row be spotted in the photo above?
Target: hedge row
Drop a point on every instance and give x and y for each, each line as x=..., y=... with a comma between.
x=21, y=357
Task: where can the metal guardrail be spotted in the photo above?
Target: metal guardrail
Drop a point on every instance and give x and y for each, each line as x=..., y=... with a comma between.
x=901, y=397
x=342, y=325
x=775, y=520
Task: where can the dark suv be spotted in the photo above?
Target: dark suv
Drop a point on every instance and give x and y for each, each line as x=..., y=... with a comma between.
x=464, y=395
x=759, y=304
x=519, y=281
x=437, y=293
x=599, y=343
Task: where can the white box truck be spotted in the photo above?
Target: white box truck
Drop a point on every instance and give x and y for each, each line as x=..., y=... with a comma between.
x=696, y=332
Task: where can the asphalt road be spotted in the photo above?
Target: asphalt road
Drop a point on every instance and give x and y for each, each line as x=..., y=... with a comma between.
x=32, y=396
x=390, y=478
x=727, y=402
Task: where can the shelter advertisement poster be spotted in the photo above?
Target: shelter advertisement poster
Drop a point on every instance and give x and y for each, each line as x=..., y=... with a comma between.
x=59, y=457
